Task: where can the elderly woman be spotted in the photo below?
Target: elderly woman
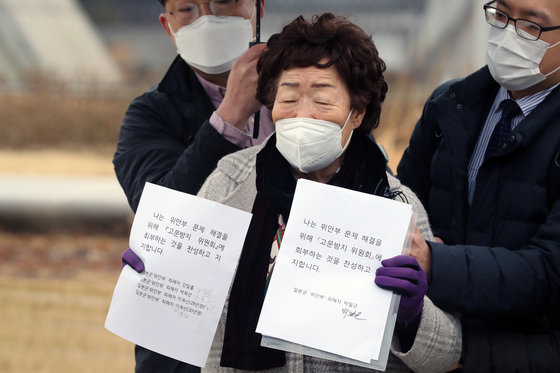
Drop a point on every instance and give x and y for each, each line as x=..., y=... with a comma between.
x=323, y=81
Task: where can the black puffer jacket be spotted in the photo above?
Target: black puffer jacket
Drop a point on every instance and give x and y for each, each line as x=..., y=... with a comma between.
x=500, y=266
x=166, y=138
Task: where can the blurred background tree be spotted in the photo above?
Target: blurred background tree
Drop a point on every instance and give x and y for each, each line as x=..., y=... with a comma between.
x=423, y=43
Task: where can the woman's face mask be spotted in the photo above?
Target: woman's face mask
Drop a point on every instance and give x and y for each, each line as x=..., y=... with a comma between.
x=310, y=144
x=514, y=61
x=212, y=44
x=313, y=116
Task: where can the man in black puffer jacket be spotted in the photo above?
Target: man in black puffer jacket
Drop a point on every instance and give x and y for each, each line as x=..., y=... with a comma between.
x=496, y=208
x=175, y=133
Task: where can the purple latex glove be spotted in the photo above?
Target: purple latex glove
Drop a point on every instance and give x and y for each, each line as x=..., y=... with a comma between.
x=404, y=276
x=129, y=257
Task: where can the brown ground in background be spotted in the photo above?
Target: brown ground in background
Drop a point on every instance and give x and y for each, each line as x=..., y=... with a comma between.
x=55, y=292
x=55, y=289
x=56, y=162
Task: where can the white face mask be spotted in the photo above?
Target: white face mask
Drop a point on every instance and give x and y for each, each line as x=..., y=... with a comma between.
x=514, y=61
x=212, y=44
x=310, y=144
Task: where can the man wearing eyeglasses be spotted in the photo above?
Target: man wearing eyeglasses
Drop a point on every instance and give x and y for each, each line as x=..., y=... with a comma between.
x=204, y=108
x=484, y=159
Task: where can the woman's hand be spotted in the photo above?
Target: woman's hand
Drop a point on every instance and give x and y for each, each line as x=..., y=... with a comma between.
x=129, y=257
x=404, y=276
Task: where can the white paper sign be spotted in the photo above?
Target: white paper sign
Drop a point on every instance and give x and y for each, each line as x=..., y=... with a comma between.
x=322, y=292
x=190, y=247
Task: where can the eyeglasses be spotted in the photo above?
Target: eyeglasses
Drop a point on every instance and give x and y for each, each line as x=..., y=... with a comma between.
x=187, y=13
x=526, y=29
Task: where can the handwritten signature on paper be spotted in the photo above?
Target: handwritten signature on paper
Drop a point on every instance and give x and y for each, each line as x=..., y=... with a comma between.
x=354, y=314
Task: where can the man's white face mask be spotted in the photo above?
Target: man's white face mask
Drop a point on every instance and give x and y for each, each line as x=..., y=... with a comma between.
x=212, y=44
x=310, y=144
x=514, y=61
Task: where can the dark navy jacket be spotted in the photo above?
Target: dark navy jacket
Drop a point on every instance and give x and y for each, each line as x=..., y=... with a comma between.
x=166, y=138
x=500, y=266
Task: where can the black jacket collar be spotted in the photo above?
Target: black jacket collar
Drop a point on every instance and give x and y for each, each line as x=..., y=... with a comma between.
x=181, y=80
x=475, y=88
